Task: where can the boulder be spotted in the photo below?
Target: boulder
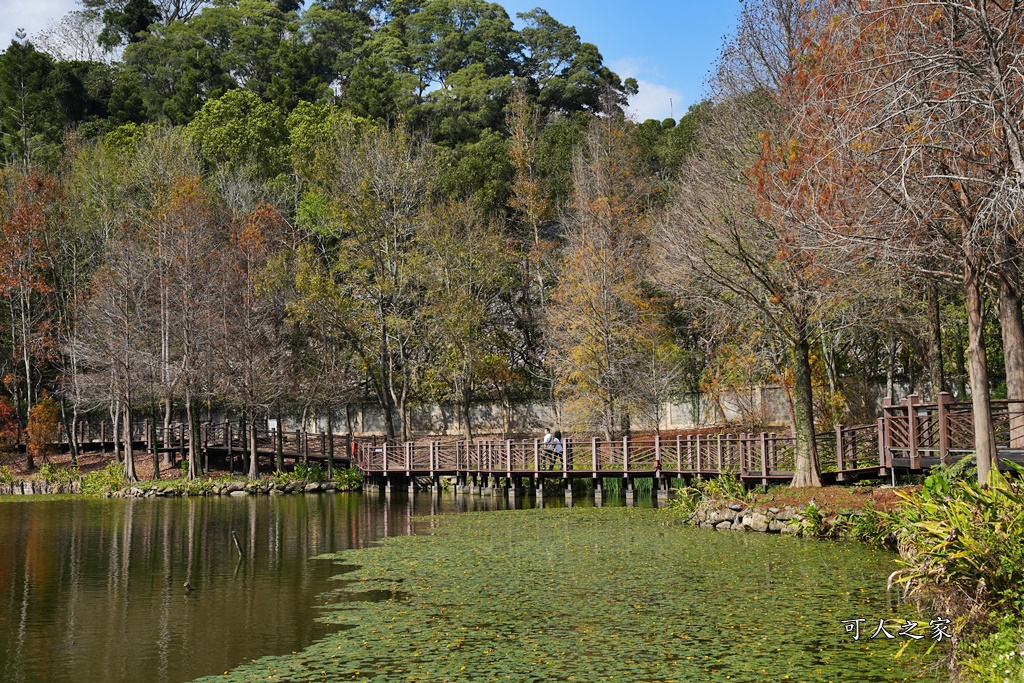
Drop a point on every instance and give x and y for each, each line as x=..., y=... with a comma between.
x=312, y=487
x=775, y=526
x=758, y=522
x=239, y=494
x=724, y=526
x=735, y=507
x=785, y=514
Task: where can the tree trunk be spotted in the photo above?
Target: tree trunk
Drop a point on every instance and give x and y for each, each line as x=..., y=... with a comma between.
x=243, y=439
x=1011, y=323
x=890, y=369
x=977, y=368
x=935, y=369
x=330, y=442
x=70, y=427
x=806, y=471
x=129, y=452
x=115, y=417
x=195, y=468
x=467, y=424
x=279, y=444
x=254, y=458
x=168, y=453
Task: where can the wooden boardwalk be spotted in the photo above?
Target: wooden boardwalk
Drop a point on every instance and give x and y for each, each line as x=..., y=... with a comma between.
x=909, y=437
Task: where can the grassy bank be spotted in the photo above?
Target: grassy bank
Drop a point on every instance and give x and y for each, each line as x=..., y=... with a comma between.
x=961, y=548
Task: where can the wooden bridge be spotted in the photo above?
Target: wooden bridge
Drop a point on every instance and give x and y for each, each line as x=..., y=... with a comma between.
x=909, y=437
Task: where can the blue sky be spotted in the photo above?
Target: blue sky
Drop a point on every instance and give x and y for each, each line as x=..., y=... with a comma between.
x=668, y=46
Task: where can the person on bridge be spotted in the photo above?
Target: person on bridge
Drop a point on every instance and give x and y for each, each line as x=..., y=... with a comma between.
x=548, y=448
x=557, y=445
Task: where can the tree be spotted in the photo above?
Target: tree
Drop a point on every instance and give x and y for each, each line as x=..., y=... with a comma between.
x=738, y=234
x=922, y=103
x=29, y=121
x=599, y=312
x=364, y=202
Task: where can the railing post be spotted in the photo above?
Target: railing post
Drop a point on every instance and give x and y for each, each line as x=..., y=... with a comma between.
x=883, y=452
x=408, y=457
x=719, y=458
x=384, y=453
x=625, y=454
x=943, y=400
x=657, y=451
x=840, y=460
x=679, y=452
x=593, y=455
x=103, y=436
x=915, y=459
x=698, y=454
x=508, y=457
x=764, y=458
x=566, y=442
x=536, y=456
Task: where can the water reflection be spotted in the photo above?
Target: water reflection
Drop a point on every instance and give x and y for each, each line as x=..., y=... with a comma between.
x=96, y=589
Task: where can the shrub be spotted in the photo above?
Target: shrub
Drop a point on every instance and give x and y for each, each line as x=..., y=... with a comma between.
x=61, y=477
x=5, y=475
x=312, y=472
x=109, y=479
x=348, y=479
x=41, y=432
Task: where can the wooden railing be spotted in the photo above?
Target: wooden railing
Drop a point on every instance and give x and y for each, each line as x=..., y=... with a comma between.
x=763, y=456
x=941, y=431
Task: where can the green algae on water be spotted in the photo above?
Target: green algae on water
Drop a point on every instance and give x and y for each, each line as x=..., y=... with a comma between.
x=592, y=595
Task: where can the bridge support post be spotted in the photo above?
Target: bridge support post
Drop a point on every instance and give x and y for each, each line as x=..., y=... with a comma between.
x=412, y=483
x=568, y=492
x=628, y=486
x=598, y=493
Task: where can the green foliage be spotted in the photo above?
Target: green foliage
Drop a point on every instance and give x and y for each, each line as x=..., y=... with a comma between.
x=306, y=472
x=280, y=478
x=6, y=477
x=351, y=479
x=962, y=543
x=238, y=131
x=58, y=476
x=997, y=656
x=106, y=480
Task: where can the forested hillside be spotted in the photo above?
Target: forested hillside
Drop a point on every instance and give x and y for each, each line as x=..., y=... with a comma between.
x=275, y=209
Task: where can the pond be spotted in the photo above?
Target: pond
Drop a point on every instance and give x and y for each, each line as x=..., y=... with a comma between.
x=95, y=590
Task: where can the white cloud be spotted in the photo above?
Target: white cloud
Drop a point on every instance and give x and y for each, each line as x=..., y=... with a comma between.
x=31, y=15
x=655, y=100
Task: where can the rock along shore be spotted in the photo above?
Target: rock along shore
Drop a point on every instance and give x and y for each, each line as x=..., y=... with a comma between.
x=143, y=490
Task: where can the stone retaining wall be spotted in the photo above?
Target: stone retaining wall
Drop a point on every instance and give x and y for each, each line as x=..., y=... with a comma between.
x=235, y=488
x=739, y=517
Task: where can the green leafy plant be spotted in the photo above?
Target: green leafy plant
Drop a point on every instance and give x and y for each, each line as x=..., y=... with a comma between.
x=109, y=479
x=61, y=477
x=6, y=477
x=280, y=478
x=348, y=479
x=307, y=472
